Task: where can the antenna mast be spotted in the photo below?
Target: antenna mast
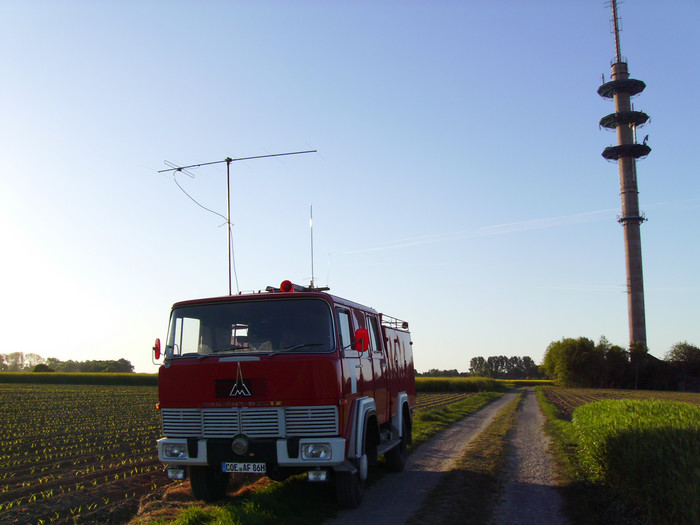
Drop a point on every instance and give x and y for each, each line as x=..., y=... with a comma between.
x=311, y=226
x=228, y=161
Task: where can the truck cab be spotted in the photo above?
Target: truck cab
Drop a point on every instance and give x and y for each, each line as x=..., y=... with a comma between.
x=280, y=382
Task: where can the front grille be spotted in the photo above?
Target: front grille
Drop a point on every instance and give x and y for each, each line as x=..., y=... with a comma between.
x=311, y=421
x=220, y=423
x=256, y=422
x=183, y=422
x=262, y=422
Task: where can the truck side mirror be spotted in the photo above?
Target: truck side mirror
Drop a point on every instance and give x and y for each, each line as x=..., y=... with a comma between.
x=156, y=349
x=361, y=339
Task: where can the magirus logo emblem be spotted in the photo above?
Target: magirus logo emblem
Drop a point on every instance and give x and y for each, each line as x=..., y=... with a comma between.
x=239, y=387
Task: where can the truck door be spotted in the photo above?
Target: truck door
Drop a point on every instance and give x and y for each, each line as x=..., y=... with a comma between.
x=377, y=352
x=352, y=361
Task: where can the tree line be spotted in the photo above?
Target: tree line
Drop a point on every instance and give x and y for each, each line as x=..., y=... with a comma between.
x=495, y=367
x=582, y=363
x=21, y=362
x=502, y=367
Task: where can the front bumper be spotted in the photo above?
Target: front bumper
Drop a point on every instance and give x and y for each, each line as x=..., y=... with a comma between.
x=282, y=452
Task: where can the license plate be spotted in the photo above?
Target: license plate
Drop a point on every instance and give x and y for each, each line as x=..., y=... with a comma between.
x=247, y=468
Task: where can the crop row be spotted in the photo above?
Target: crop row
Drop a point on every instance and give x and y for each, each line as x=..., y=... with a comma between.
x=432, y=400
x=567, y=399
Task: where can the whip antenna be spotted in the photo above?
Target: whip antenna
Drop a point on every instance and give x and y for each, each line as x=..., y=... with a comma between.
x=311, y=226
x=228, y=161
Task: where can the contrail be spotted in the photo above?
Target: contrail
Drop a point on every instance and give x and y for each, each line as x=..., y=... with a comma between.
x=489, y=231
x=513, y=227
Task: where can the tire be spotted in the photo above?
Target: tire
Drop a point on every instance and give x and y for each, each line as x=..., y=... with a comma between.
x=208, y=483
x=350, y=486
x=397, y=456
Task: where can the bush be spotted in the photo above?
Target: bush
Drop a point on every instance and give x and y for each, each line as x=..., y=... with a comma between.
x=43, y=368
x=647, y=450
x=575, y=362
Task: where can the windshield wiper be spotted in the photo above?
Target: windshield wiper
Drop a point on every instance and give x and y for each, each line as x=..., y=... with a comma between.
x=231, y=349
x=302, y=345
x=290, y=349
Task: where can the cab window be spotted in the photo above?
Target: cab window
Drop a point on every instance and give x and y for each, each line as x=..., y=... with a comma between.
x=373, y=329
x=344, y=323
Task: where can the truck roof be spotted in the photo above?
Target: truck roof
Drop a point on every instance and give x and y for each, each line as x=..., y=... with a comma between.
x=277, y=293
x=296, y=291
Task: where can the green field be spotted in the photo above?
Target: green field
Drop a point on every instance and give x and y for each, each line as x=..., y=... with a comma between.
x=76, y=451
x=640, y=449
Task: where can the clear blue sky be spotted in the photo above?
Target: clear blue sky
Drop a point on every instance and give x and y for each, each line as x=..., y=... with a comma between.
x=458, y=182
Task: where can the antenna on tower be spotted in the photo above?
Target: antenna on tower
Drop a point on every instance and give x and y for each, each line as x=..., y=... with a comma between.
x=228, y=161
x=616, y=26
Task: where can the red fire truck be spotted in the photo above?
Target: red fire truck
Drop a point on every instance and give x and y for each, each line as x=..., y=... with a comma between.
x=280, y=382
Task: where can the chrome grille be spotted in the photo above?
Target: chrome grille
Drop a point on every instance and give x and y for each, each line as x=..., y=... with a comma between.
x=311, y=421
x=261, y=422
x=181, y=422
x=220, y=423
x=252, y=421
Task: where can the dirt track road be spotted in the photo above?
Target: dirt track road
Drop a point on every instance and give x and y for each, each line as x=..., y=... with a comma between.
x=395, y=498
x=528, y=496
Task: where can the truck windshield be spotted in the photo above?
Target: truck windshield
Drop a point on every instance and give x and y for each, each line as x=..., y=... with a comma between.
x=245, y=327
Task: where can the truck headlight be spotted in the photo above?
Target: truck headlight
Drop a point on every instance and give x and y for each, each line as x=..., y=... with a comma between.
x=316, y=451
x=175, y=450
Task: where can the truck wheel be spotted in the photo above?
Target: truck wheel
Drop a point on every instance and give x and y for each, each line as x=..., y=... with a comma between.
x=397, y=456
x=208, y=483
x=350, y=486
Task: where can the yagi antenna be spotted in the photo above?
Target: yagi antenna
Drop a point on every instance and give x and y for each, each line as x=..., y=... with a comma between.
x=175, y=167
x=228, y=161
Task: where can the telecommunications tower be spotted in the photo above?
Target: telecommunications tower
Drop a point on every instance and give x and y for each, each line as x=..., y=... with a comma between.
x=625, y=121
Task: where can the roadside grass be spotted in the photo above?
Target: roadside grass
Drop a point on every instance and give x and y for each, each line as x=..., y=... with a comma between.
x=468, y=493
x=293, y=502
x=585, y=503
x=298, y=502
x=427, y=424
x=619, y=468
